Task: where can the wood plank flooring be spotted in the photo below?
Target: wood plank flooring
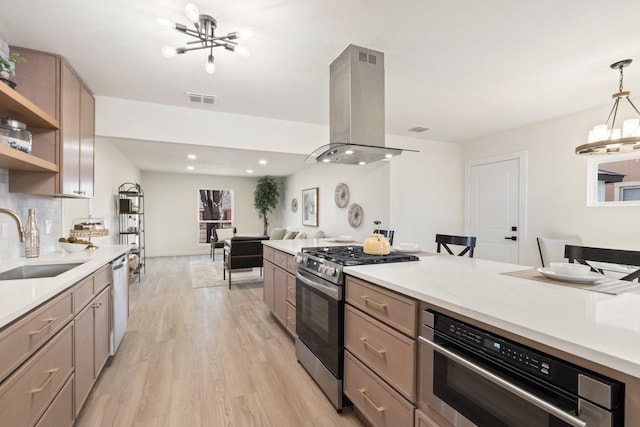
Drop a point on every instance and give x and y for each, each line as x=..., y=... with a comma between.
x=204, y=357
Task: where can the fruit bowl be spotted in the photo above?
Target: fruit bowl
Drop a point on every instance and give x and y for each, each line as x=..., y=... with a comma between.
x=73, y=247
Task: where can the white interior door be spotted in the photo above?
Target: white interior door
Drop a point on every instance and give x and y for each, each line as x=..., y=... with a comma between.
x=494, y=208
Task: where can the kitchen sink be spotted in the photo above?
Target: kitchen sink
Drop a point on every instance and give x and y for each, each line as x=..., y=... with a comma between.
x=37, y=271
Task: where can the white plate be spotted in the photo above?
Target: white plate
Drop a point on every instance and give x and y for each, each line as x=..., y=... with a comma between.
x=407, y=251
x=589, y=278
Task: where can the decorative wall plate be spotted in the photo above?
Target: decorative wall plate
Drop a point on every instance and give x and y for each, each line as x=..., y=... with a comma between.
x=294, y=205
x=355, y=215
x=342, y=195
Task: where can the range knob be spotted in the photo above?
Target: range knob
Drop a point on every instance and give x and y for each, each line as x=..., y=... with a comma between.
x=301, y=259
x=330, y=271
x=322, y=269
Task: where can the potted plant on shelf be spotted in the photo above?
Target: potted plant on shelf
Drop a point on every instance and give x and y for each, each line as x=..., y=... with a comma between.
x=8, y=67
x=265, y=198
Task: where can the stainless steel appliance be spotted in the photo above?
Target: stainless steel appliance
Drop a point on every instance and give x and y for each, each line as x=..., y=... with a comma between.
x=120, y=301
x=320, y=311
x=475, y=378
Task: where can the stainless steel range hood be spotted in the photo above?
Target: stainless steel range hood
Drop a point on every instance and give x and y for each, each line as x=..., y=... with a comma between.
x=356, y=107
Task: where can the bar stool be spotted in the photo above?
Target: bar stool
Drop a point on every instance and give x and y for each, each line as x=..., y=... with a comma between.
x=469, y=243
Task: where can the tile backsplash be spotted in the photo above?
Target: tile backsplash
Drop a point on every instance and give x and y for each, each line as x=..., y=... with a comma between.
x=47, y=209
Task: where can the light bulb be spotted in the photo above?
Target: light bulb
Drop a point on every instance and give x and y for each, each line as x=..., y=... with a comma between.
x=192, y=12
x=168, y=52
x=210, y=67
x=242, y=52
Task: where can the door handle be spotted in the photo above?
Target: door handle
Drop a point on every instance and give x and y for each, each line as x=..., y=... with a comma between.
x=514, y=238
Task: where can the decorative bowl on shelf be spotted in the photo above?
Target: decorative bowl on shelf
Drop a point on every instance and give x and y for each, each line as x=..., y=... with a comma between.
x=73, y=247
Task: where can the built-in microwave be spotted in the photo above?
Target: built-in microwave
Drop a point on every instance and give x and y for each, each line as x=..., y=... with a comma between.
x=475, y=378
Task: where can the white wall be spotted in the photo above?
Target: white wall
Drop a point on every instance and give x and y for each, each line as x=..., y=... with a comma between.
x=171, y=202
x=426, y=191
x=557, y=179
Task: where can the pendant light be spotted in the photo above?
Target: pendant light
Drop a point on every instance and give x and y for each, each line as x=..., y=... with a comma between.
x=607, y=139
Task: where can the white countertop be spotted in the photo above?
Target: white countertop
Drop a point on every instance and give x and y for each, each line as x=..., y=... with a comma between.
x=592, y=325
x=18, y=297
x=293, y=246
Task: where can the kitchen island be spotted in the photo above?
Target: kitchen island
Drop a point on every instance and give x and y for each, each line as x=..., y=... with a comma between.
x=597, y=331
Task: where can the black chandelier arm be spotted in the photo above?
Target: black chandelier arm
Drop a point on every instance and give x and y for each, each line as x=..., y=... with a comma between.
x=613, y=111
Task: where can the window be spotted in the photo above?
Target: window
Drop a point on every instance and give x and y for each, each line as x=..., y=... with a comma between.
x=215, y=210
x=614, y=180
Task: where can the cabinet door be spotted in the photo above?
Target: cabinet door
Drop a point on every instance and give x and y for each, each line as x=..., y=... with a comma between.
x=87, y=132
x=102, y=320
x=268, y=284
x=70, y=126
x=83, y=355
x=280, y=295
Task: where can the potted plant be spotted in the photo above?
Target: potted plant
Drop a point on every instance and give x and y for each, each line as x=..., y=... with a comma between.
x=8, y=67
x=265, y=198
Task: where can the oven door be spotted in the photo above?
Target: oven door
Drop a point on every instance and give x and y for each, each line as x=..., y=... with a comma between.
x=469, y=391
x=319, y=319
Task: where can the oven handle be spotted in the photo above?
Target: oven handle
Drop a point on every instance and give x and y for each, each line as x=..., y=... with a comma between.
x=545, y=406
x=329, y=289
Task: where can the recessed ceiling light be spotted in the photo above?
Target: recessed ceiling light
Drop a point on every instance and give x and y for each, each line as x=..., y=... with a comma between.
x=192, y=156
x=263, y=162
x=388, y=155
x=190, y=168
x=326, y=160
x=362, y=163
x=249, y=170
x=419, y=129
x=348, y=152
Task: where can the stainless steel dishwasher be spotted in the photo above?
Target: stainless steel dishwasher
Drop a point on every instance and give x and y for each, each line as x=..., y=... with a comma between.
x=120, y=301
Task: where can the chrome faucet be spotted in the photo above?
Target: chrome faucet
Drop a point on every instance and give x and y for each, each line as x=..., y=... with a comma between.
x=18, y=221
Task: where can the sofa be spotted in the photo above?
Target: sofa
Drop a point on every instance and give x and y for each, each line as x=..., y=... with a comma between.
x=241, y=252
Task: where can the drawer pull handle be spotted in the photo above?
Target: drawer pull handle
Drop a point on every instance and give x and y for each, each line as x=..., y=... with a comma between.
x=49, y=322
x=367, y=301
x=363, y=392
x=52, y=373
x=366, y=343
x=96, y=304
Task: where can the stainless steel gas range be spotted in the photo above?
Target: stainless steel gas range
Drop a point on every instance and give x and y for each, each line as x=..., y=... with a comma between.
x=320, y=311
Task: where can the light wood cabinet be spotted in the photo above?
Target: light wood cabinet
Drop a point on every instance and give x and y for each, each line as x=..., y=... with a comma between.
x=280, y=286
x=50, y=82
x=380, y=353
x=52, y=356
x=423, y=420
x=91, y=336
x=26, y=394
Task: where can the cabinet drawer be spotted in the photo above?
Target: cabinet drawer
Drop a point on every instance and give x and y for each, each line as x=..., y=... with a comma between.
x=60, y=412
x=375, y=400
x=101, y=279
x=291, y=318
x=424, y=420
x=392, y=308
x=386, y=351
x=291, y=264
x=291, y=289
x=25, y=395
x=280, y=259
x=268, y=253
x=21, y=339
x=82, y=293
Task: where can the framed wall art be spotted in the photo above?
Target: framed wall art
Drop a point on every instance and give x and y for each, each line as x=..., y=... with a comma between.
x=310, y=207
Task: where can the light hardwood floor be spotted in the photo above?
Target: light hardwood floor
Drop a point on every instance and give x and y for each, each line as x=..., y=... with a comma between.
x=204, y=357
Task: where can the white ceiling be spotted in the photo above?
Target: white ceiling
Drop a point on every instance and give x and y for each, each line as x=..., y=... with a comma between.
x=463, y=68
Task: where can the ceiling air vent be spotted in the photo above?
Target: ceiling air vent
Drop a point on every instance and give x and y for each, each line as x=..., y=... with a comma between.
x=201, y=98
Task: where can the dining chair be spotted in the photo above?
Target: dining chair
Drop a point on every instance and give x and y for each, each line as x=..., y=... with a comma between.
x=619, y=260
x=552, y=249
x=386, y=233
x=444, y=240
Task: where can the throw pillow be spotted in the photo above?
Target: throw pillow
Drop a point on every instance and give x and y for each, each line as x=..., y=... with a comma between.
x=224, y=234
x=290, y=235
x=278, y=233
x=318, y=235
x=301, y=235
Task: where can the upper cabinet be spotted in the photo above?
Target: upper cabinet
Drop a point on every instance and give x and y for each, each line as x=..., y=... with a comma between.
x=49, y=82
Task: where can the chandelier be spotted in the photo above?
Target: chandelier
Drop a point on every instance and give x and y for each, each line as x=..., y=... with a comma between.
x=205, y=38
x=607, y=139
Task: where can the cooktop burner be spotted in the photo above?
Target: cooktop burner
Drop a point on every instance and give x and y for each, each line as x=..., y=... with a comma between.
x=354, y=255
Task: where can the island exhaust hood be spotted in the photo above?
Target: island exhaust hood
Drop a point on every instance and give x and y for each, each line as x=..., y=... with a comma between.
x=356, y=107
